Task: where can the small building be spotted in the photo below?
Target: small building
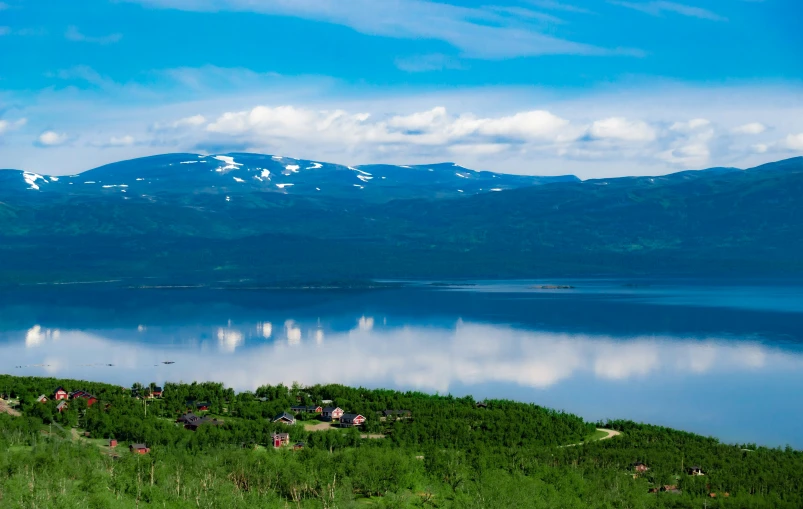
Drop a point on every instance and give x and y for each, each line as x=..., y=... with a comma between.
x=396, y=414
x=285, y=418
x=112, y=443
x=298, y=446
x=280, y=439
x=301, y=409
x=482, y=404
x=60, y=394
x=157, y=392
x=139, y=448
x=90, y=399
x=640, y=467
x=62, y=406
x=42, y=399
x=331, y=413
x=695, y=470
x=192, y=422
x=351, y=420
x=203, y=406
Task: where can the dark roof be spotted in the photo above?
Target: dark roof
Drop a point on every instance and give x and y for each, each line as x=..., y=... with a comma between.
x=284, y=415
x=331, y=408
x=188, y=418
x=157, y=389
x=349, y=417
x=59, y=388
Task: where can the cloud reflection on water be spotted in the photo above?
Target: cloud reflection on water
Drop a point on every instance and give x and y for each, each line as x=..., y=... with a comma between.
x=426, y=358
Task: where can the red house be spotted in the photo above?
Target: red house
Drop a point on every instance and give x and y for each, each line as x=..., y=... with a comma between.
x=112, y=443
x=139, y=449
x=331, y=413
x=351, y=420
x=42, y=399
x=280, y=439
x=60, y=394
x=90, y=399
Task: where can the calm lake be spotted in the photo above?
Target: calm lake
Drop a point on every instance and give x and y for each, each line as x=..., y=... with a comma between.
x=721, y=359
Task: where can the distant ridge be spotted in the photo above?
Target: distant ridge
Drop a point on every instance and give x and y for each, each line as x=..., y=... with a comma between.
x=194, y=222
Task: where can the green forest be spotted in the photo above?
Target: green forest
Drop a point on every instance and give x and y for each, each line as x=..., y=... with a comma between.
x=429, y=451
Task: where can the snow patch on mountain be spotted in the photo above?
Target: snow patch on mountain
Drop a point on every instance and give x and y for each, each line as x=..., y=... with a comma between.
x=282, y=186
x=364, y=178
x=314, y=166
x=230, y=163
x=292, y=167
x=31, y=178
x=359, y=171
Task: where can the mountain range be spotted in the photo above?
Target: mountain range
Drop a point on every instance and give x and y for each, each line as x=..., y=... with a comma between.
x=253, y=219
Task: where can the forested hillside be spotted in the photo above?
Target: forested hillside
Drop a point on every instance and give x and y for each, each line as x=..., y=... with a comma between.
x=446, y=452
x=714, y=222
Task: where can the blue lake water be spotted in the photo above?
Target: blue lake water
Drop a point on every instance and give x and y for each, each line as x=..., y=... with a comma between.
x=721, y=359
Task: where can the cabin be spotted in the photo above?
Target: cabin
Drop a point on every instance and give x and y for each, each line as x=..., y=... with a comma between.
x=192, y=422
x=301, y=409
x=139, y=449
x=280, y=439
x=42, y=399
x=203, y=406
x=60, y=394
x=331, y=413
x=482, y=404
x=90, y=399
x=396, y=414
x=285, y=418
x=157, y=392
x=298, y=446
x=351, y=420
x=695, y=470
x=112, y=443
x=640, y=467
x=62, y=406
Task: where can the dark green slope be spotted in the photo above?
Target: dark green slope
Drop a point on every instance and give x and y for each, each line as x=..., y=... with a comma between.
x=718, y=221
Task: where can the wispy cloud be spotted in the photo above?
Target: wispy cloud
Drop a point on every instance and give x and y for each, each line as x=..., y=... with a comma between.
x=659, y=7
x=477, y=32
x=431, y=62
x=52, y=139
x=7, y=125
x=73, y=34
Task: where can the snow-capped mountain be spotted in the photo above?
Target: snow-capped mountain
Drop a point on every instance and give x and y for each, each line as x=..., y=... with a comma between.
x=233, y=174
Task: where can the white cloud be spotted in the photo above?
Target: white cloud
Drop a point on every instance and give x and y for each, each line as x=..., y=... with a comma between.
x=121, y=141
x=478, y=32
x=691, y=125
x=751, y=128
x=73, y=34
x=659, y=7
x=6, y=126
x=52, y=139
x=182, y=123
x=619, y=128
x=793, y=142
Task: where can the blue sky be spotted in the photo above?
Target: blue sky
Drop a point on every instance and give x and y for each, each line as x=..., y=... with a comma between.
x=595, y=88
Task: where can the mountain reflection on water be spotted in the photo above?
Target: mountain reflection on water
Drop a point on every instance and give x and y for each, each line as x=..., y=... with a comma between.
x=728, y=371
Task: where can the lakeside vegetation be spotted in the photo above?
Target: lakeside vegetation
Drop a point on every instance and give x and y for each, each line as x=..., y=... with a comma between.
x=449, y=452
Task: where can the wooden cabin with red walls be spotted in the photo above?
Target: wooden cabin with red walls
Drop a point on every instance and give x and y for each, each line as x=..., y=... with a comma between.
x=331, y=413
x=60, y=394
x=112, y=443
x=139, y=448
x=280, y=439
x=351, y=420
